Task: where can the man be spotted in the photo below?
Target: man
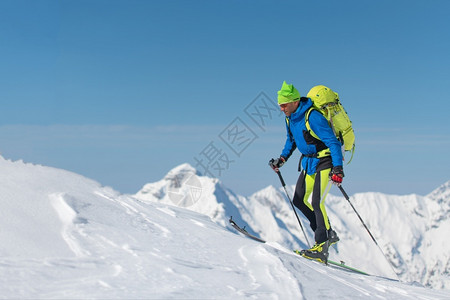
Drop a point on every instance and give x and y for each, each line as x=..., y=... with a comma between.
x=320, y=162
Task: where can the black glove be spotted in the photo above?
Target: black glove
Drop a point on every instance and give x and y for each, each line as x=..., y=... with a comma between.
x=336, y=175
x=277, y=163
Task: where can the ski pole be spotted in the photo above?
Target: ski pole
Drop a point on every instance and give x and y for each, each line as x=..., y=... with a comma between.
x=373, y=239
x=348, y=199
x=292, y=204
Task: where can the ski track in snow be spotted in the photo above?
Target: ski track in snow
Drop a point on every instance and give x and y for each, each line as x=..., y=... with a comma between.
x=325, y=271
x=351, y=281
x=132, y=211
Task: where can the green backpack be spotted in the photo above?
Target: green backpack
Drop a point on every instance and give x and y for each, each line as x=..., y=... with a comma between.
x=327, y=102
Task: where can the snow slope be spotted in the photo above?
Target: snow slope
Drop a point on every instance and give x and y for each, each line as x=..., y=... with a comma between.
x=63, y=236
x=410, y=229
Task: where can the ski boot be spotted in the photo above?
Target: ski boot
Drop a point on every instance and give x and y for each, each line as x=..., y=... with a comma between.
x=318, y=252
x=332, y=237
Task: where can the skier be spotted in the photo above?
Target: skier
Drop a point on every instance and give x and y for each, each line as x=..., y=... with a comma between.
x=320, y=162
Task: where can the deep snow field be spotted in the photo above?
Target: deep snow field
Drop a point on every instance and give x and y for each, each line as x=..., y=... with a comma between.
x=63, y=236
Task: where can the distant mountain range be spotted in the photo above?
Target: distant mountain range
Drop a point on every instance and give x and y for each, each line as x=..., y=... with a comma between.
x=410, y=229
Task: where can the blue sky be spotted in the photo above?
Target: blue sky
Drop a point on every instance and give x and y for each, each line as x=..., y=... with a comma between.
x=123, y=91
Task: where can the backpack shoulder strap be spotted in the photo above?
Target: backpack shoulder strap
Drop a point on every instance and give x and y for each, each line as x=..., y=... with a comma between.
x=289, y=128
x=308, y=126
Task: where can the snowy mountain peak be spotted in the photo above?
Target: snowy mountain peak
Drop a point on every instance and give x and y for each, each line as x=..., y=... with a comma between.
x=268, y=196
x=442, y=193
x=183, y=169
x=266, y=191
x=181, y=184
x=185, y=187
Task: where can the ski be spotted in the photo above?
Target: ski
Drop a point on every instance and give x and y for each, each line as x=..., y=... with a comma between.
x=245, y=232
x=340, y=264
x=331, y=263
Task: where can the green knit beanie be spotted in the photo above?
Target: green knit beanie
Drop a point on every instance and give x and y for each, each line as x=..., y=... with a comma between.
x=288, y=93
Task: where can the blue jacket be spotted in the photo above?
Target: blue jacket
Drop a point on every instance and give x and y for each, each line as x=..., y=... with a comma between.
x=295, y=124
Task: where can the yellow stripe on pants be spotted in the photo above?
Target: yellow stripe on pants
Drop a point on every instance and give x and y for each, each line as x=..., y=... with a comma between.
x=325, y=187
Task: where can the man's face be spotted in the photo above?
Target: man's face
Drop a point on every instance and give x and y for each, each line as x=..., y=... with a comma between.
x=289, y=108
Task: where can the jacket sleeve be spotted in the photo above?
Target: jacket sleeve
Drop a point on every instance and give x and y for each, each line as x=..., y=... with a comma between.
x=290, y=145
x=322, y=129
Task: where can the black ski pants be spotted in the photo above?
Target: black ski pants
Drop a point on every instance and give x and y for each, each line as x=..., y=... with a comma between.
x=315, y=211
